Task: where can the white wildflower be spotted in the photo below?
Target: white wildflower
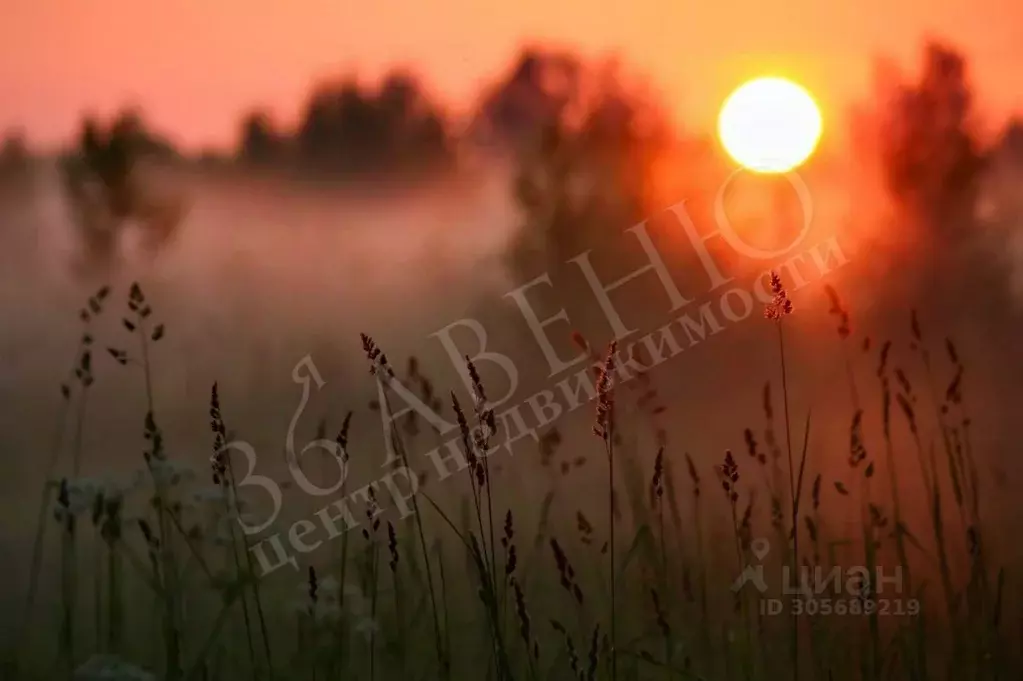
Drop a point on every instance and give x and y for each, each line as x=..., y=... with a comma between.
x=301, y=606
x=327, y=612
x=329, y=587
x=367, y=626
x=171, y=473
x=119, y=488
x=321, y=611
x=110, y=668
x=81, y=496
x=208, y=495
x=232, y=525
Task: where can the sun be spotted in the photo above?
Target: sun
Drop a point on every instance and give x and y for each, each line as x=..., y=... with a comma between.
x=770, y=125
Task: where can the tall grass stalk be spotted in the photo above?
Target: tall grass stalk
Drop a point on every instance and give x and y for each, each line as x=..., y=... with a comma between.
x=611, y=545
x=701, y=558
x=604, y=428
x=476, y=444
x=372, y=559
x=97, y=579
x=136, y=324
x=384, y=375
x=251, y=576
x=93, y=307
x=110, y=534
x=224, y=477
x=777, y=310
x=69, y=595
x=230, y=509
x=342, y=449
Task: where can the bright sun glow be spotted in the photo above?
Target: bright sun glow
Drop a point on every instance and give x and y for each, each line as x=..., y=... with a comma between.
x=769, y=125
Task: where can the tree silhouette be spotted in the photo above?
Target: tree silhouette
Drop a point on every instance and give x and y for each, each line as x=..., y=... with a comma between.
x=584, y=169
x=261, y=144
x=14, y=150
x=103, y=180
x=14, y=157
x=934, y=168
x=534, y=96
x=349, y=129
x=1012, y=140
x=930, y=154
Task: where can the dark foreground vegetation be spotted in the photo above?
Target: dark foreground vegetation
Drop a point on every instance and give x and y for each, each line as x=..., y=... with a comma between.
x=156, y=578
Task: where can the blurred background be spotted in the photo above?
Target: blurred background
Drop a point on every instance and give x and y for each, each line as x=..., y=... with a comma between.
x=281, y=177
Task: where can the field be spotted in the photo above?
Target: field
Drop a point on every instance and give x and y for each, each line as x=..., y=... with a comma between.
x=607, y=547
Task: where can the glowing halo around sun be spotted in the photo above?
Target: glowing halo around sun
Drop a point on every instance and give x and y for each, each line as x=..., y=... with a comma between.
x=770, y=125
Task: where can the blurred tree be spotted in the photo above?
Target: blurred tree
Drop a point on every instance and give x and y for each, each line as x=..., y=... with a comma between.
x=14, y=150
x=353, y=130
x=535, y=95
x=15, y=162
x=929, y=149
x=585, y=167
x=116, y=163
x=91, y=141
x=102, y=177
x=1011, y=143
x=360, y=131
x=936, y=171
x=16, y=168
x=260, y=143
x=416, y=133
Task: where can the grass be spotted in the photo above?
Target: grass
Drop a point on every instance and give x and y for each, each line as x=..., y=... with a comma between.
x=166, y=582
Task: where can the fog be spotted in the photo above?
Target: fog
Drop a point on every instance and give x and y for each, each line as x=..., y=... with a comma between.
x=263, y=273
x=258, y=276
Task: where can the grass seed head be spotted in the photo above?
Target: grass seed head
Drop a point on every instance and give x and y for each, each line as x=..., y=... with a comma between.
x=605, y=395
x=780, y=305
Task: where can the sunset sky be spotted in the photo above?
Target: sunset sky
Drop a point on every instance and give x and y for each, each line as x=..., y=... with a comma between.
x=194, y=65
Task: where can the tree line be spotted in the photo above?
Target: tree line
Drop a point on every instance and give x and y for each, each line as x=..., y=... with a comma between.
x=587, y=141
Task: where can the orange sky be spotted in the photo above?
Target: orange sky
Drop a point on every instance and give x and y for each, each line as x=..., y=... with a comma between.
x=194, y=65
